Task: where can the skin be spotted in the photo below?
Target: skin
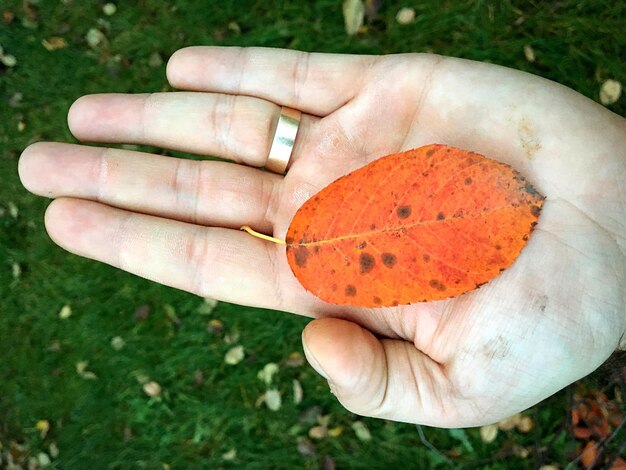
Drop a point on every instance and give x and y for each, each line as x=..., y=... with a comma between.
x=551, y=318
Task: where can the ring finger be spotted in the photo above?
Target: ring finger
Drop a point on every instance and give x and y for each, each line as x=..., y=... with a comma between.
x=239, y=128
x=200, y=192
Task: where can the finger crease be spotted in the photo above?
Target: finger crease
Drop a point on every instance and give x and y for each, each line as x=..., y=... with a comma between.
x=300, y=75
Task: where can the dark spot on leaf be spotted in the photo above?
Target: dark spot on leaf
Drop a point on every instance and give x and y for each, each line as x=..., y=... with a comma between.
x=289, y=240
x=350, y=290
x=437, y=285
x=535, y=210
x=498, y=247
x=366, y=261
x=502, y=269
x=530, y=190
x=316, y=249
x=377, y=300
x=532, y=225
x=301, y=253
x=525, y=237
x=361, y=246
x=404, y=211
x=395, y=303
x=389, y=259
x=480, y=284
x=332, y=271
x=440, y=216
x=430, y=152
x=468, y=181
x=373, y=227
x=426, y=258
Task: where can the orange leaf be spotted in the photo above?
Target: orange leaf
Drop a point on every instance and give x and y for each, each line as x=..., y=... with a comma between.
x=582, y=433
x=619, y=464
x=589, y=454
x=422, y=225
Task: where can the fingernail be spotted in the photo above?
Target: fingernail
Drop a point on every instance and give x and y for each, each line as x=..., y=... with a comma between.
x=313, y=361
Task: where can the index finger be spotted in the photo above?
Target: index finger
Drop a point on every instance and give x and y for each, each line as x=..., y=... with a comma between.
x=314, y=83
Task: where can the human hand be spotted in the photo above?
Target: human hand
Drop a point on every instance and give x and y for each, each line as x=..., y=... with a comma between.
x=551, y=318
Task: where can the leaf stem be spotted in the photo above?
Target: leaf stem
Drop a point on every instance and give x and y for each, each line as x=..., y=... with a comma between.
x=254, y=233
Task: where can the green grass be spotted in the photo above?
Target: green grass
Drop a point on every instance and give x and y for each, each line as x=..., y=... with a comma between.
x=109, y=422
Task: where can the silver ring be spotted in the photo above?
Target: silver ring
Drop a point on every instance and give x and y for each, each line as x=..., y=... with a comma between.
x=284, y=138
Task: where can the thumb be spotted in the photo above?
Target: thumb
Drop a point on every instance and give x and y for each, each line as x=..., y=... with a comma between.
x=386, y=378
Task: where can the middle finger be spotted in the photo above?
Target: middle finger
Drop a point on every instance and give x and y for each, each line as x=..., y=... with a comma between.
x=239, y=128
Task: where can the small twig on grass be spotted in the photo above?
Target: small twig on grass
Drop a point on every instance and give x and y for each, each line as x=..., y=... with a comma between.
x=431, y=447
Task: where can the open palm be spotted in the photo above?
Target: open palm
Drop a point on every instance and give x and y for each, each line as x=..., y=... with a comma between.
x=551, y=318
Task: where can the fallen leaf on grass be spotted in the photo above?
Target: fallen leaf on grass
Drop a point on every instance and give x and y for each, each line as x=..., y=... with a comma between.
x=297, y=392
x=43, y=426
x=589, y=454
x=152, y=389
x=610, y=92
x=7, y=17
x=215, y=326
x=8, y=60
x=207, y=306
x=405, y=16
x=81, y=370
x=272, y=400
x=109, y=9
x=525, y=424
x=43, y=459
x=361, y=431
x=295, y=359
x=266, y=374
x=335, y=432
x=509, y=423
x=95, y=38
x=53, y=450
x=353, y=16
x=13, y=210
x=54, y=43
x=529, y=53
x=234, y=355
x=118, y=343
x=65, y=312
x=16, y=270
x=489, y=433
x=318, y=432
x=230, y=455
